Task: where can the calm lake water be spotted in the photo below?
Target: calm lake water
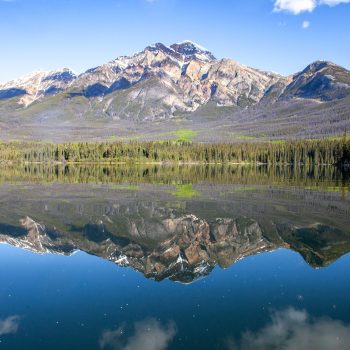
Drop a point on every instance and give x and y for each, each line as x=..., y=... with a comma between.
x=157, y=258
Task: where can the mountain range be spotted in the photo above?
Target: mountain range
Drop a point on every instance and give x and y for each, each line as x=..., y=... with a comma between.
x=183, y=82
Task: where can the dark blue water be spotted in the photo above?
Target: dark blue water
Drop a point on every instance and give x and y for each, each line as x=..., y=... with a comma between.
x=84, y=302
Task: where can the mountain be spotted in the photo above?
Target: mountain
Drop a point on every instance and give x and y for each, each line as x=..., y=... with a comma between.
x=37, y=85
x=162, y=83
x=324, y=81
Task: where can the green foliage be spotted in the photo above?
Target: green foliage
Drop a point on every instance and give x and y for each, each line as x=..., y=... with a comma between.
x=128, y=177
x=243, y=188
x=185, y=191
x=182, y=135
x=185, y=134
x=316, y=152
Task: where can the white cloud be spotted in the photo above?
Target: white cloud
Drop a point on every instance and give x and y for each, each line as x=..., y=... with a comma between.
x=9, y=325
x=306, y=24
x=148, y=334
x=298, y=6
x=295, y=6
x=334, y=2
x=293, y=329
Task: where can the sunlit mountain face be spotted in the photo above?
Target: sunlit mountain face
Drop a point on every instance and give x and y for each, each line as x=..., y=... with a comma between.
x=162, y=89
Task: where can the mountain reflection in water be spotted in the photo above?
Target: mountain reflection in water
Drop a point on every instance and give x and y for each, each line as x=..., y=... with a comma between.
x=176, y=222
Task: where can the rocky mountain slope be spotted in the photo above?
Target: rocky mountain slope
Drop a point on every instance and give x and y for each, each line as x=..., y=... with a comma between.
x=324, y=81
x=37, y=85
x=161, y=82
x=181, y=86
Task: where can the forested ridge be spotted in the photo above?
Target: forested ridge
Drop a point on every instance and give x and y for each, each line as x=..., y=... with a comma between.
x=321, y=151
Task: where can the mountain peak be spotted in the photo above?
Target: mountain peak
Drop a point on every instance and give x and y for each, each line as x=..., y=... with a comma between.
x=37, y=85
x=39, y=76
x=184, y=50
x=162, y=80
x=191, y=44
x=188, y=48
x=62, y=74
x=317, y=66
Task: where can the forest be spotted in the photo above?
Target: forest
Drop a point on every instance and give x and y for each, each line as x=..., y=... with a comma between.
x=329, y=178
x=315, y=152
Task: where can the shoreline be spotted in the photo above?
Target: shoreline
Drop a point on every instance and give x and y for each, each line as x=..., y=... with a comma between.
x=164, y=163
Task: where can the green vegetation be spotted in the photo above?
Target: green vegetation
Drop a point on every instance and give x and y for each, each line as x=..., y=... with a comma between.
x=129, y=177
x=244, y=188
x=239, y=136
x=181, y=135
x=185, y=134
x=316, y=152
x=185, y=191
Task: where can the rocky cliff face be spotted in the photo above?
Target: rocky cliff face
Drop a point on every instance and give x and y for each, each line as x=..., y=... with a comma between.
x=161, y=82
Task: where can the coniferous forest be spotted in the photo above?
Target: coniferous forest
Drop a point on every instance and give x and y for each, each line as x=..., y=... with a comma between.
x=316, y=152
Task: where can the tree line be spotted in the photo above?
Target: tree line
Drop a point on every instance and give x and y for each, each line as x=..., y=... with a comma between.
x=316, y=152
x=314, y=177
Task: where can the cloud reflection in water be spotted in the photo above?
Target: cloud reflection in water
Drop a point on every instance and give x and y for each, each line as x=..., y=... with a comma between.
x=148, y=334
x=9, y=325
x=293, y=329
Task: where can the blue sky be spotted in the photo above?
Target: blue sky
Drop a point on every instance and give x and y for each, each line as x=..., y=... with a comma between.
x=279, y=35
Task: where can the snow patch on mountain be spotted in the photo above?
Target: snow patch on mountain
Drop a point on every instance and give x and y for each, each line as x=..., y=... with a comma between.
x=40, y=83
x=189, y=42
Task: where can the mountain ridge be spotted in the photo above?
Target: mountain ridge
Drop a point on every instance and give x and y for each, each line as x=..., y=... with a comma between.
x=182, y=82
x=193, y=69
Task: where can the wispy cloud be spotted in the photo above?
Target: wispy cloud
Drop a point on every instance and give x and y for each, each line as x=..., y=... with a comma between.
x=294, y=329
x=298, y=6
x=334, y=2
x=148, y=334
x=305, y=24
x=9, y=325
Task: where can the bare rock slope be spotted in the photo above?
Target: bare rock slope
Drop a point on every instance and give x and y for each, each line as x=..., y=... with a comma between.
x=162, y=82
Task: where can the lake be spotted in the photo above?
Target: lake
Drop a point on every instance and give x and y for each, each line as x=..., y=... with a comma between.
x=174, y=257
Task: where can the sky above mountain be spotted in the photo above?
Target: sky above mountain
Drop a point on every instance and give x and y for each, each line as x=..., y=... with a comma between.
x=278, y=35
